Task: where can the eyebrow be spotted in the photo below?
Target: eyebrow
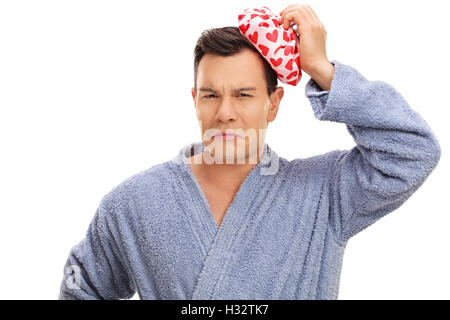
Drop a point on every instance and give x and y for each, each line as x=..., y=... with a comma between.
x=235, y=90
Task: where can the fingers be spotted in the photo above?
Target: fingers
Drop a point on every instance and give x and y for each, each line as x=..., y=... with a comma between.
x=287, y=8
x=302, y=12
x=314, y=17
x=298, y=15
x=289, y=17
x=311, y=13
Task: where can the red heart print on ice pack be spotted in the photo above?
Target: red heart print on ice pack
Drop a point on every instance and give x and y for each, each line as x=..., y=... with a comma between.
x=278, y=46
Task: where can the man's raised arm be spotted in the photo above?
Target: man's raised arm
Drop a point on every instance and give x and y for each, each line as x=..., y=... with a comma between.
x=395, y=148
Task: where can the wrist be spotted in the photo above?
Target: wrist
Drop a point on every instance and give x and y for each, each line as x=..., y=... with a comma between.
x=323, y=74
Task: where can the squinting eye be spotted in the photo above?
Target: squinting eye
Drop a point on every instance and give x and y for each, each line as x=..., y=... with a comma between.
x=242, y=94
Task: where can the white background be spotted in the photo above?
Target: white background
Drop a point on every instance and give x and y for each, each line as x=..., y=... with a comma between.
x=92, y=92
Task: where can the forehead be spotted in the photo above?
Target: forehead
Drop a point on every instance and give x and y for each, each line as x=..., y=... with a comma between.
x=240, y=70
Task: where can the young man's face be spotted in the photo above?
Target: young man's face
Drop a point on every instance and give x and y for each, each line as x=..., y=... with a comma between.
x=232, y=94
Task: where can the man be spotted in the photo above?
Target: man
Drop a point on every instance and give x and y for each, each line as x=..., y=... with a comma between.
x=227, y=218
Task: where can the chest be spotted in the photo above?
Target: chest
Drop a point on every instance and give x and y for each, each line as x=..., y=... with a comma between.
x=218, y=199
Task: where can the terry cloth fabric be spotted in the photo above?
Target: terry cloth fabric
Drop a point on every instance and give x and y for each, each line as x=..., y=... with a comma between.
x=284, y=234
x=277, y=45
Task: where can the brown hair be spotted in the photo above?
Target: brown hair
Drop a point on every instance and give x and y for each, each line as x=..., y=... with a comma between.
x=227, y=41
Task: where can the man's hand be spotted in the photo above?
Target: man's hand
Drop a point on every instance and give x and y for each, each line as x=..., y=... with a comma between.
x=312, y=43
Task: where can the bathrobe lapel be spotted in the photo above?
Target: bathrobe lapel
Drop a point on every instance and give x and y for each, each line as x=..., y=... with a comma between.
x=217, y=241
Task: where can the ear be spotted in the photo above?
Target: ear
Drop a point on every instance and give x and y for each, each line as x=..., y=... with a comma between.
x=275, y=99
x=193, y=93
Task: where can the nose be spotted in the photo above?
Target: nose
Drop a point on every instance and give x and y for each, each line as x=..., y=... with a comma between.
x=226, y=111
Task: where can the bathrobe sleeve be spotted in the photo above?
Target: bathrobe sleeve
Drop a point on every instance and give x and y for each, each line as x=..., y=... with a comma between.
x=94, y=269
x=395, y=149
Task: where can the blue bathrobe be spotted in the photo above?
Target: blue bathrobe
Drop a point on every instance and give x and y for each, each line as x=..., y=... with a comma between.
x=284, y=234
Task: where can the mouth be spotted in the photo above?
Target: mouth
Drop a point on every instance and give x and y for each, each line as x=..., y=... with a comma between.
x=226, y=135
